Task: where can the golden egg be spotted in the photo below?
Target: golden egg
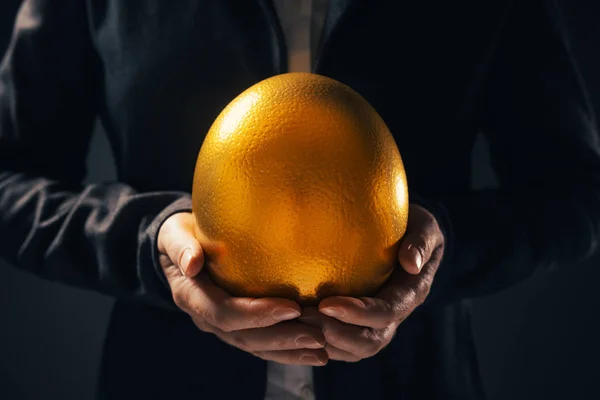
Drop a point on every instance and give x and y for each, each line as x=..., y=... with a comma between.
x=300, y=192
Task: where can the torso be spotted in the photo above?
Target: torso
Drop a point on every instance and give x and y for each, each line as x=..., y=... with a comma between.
x=171, y=67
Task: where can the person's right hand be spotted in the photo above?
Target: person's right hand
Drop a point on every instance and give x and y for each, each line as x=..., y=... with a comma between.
x=262, y=327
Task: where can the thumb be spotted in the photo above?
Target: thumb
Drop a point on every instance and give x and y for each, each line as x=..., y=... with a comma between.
x=422, y=238
x=413, y=254
x=176, y=240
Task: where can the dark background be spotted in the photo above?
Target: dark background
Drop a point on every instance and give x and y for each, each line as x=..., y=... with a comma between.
x=537, y=340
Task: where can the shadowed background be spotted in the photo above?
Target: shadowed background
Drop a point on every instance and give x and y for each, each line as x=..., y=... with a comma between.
x=536, y=340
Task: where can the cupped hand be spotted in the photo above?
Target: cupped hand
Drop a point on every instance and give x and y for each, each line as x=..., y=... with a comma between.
x=358, y=328
x=264, y=327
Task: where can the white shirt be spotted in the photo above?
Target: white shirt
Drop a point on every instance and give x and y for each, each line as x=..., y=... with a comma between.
x=302, y=23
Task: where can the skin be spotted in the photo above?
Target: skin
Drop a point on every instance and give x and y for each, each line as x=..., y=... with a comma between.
x=275, y=329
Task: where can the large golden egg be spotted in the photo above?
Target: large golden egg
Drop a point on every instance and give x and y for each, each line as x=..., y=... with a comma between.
x=300, y=192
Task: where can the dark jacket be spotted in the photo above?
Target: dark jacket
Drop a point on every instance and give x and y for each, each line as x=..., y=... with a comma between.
x=156, y=73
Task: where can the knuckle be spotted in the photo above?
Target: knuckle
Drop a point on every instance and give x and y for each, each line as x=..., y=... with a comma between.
x=345, y=356
x=177, y=299
x=416, y=241
x=173, y=250
x=375, y=345
x=371, y=344
x=422, y=240
x=422, y=290
x=297, y=357
x=332, y=337
x=370, y=303
x=204, y=327
x=164, y=261
x=411, y=297
x=240, y=342
x=389, y=318
x=386, y=312
x=285, y=358
x=280, y=344
x=366, y=334
x=258, y=321
x=181, y=298
x=425, y=244
x=220, y=320
x=381, y=339
x=368, y=350
x=402, y=308
x=207, y=315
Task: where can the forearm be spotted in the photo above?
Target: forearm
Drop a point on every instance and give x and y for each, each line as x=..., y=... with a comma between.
x=498, y=238
x=100, y=237
x=545, y=152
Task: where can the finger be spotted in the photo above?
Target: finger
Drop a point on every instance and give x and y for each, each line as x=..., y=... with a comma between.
x=346, y=342
x=205, y=301
x=316, y=358
x=312, y=316
x=422, y=238
x=405, y=291
x=285, y=336
x=365, y=311
x=340, y=355
x=176, y=239
x=357, y=340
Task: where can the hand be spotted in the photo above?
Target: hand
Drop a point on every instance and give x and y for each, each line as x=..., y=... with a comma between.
x=357, y=328
x=262, y=327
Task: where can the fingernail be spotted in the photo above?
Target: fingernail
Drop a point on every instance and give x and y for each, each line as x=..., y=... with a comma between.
x=308, y=342
x=284, y=314
x=333, y=312
x=312, y=360
x=418, y=258
x=185, y=260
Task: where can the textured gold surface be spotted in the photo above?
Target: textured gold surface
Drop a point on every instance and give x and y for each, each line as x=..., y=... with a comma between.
x=300, y=192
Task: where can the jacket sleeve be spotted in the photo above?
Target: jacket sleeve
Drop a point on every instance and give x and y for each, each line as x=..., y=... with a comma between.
x=544, y=146
x=100, y=236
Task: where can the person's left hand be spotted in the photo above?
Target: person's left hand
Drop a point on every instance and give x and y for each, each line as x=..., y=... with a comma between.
x=357, y=328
